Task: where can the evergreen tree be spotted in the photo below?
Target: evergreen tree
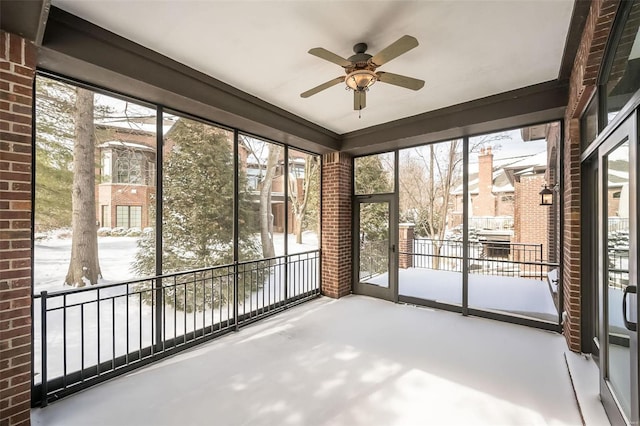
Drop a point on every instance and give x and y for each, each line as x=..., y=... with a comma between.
x=197, y=218
x=371, y=177
x=54, y=154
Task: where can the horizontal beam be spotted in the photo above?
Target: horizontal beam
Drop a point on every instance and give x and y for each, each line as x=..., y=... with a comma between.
x=530, y=105
x=26, y=18
x=81, y=50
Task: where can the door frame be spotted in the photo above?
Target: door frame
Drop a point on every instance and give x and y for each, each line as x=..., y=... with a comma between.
x=389, y=293
x=627, y=130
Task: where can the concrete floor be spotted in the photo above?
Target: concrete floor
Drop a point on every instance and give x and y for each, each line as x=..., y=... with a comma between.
x=353, y=361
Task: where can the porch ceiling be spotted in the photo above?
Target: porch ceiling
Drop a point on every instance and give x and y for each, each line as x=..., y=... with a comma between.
x=468, y=49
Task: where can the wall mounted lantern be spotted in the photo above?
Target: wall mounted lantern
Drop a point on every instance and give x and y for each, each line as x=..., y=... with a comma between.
x=546, y=196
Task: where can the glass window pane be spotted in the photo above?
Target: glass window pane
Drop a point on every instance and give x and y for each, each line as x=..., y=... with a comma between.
x=81, y=208
x=304, y=201
x=197, y=196
x=512, y=238
x=430, y=230
x=70, y=119
x=589, y=123
x=624, y=77
x=261, y=217
x=374, y=174
x=122, y=216
x=374, y=244
x=618, y=239
x=261, y=199
x=135, y=216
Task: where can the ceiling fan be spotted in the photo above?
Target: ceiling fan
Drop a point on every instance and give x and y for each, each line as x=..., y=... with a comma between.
x=361, y=69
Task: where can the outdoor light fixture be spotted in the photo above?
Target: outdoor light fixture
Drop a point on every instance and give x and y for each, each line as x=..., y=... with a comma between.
x=360, y=80
x=546, y=196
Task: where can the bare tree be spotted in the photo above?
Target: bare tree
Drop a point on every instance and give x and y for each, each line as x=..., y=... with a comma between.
x=84, y=267
x=298, y=195
x=266, y=217
x=267, y=164
x=429, y=175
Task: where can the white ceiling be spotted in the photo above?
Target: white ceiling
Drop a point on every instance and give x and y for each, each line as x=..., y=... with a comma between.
x=468, y=49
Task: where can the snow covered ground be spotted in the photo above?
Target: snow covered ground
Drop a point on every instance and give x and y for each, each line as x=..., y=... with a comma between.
x=126, y=319
x=522, y=296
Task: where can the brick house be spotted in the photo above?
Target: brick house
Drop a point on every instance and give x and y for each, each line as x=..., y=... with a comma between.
x=126, y=189
x=593, y=91
x=127, y=158
x=505, y=195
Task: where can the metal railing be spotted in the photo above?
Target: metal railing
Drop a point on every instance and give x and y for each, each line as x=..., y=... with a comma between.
x=374, y=258
x=87, y=335
x=485, y=257
x=491, y=223
x=618, y=268
x=618, y=224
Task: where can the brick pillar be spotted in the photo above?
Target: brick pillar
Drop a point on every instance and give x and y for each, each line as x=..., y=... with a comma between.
x=405, y=241
x=17, y=65
x=337, y=178
x=571, y=246
x=582, y=84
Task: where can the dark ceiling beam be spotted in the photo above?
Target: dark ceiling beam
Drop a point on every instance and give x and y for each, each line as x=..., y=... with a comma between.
x=80, y=50
x=27, y=18
x=576, y=26
x=530, y=105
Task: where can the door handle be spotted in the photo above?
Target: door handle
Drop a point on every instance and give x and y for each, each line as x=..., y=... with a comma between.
x=631, y=326
x=393, y=248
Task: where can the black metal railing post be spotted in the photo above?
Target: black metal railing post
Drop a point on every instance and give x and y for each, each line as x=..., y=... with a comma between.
x=541, y=265
x=43, y=349
x=236, y=299
x=159, y=320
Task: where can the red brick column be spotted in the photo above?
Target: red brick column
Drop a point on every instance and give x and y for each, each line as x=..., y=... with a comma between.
x=17, y=64
x=405, y=242
x=582, y=85
x=337, y=178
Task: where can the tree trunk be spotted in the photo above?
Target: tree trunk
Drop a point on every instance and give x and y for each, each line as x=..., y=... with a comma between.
x=84, y=267
x=297, y=228
x=266, y=221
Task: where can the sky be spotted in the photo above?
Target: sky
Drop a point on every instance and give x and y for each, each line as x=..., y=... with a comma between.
x=509, y=144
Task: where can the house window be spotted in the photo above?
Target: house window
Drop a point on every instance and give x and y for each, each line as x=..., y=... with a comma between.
x=129, y=216
x=106, y=216
x=151, y=173
x=129, y=167
x=106, y=166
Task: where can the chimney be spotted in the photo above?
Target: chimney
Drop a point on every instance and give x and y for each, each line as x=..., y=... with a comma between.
x=484, y=204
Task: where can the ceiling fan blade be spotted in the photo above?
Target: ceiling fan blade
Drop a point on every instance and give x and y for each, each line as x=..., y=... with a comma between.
x=395, y=49
x=400, y=80
x=359, y=100
x=330, y=56
x=322, y=87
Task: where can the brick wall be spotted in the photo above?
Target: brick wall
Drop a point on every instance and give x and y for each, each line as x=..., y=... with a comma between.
x=530, y=218
x=336, y=224
x=582, y=85
x=112, y=195
x=17, y=64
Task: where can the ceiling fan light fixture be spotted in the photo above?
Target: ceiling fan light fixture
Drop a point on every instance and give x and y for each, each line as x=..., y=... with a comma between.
x=360, y=80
